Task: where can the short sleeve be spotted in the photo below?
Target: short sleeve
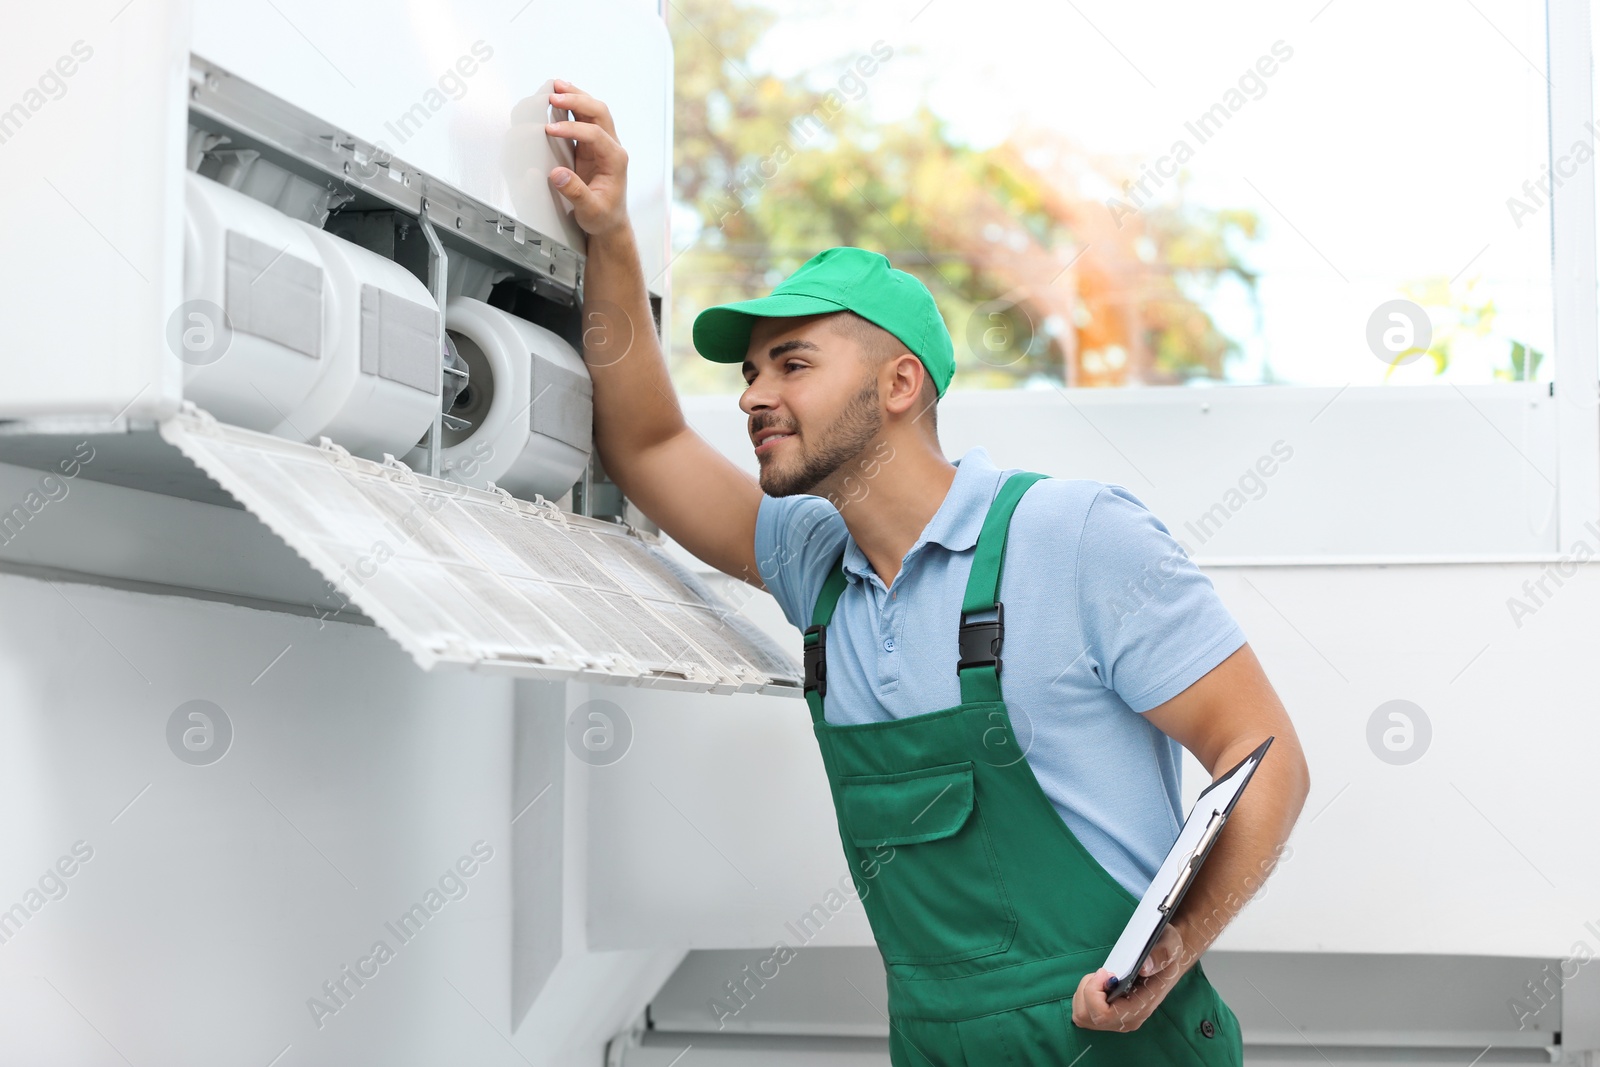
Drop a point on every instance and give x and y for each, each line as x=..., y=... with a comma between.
x=798, y=538
x=1153, y=624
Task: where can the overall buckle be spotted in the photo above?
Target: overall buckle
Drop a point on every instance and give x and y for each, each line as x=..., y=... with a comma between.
x=816, y=666
x=980, y=641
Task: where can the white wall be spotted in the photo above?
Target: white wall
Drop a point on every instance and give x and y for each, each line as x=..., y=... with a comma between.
x=218, y=901
x=218, y=898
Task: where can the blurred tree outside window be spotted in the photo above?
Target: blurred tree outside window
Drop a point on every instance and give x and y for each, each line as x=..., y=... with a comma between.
x=1054, y=265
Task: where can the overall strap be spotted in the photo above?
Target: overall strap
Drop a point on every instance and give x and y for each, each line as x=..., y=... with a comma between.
x=816, y=635
x=979, y=663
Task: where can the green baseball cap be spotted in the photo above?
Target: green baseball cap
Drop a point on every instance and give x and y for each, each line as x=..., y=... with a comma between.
x=838, y=279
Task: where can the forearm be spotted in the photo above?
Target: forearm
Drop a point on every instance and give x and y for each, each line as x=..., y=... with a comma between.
x=1250, y=846
x=635, y=405
x=1221, y=718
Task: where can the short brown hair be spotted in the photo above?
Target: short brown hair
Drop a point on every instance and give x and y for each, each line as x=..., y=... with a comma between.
x=878, y=346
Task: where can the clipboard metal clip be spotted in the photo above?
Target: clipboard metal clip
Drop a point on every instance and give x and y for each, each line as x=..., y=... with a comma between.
x=1207, y=838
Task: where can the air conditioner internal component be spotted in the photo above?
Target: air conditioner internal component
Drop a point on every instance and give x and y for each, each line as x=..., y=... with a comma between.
x=528, y=405
x=318, y=336
x=251, y=333
x=464, y=576
x=382, y=385
x=245, y=170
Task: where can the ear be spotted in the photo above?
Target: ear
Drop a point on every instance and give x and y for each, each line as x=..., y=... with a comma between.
x=906, y=388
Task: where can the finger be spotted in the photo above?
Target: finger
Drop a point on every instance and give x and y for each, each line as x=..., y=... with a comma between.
x=1133, y=1009
x=1099, y=1011
x=1126, y=1012
x=1163, y=954
x=1172, y=951
x=573, y=188
x=593, y=145
x=603, y=143
x=585, y=106
x=1081, y=998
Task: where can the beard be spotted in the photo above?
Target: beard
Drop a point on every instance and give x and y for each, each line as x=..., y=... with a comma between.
x=843, y=441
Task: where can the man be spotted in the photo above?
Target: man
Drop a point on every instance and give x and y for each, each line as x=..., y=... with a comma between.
x=1000, y=839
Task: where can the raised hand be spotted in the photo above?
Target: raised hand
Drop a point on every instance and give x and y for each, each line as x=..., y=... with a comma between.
x=598, y=189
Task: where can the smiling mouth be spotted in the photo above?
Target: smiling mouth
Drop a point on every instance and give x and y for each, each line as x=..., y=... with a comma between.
x=767, y=442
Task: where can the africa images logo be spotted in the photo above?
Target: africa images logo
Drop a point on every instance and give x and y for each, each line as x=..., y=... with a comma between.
x=199, y=732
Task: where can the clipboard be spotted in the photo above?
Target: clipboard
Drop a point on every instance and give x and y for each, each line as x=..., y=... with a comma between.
x=1160, y=902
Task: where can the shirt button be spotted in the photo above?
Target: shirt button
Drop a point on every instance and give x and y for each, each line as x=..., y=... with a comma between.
x=888, y=644
x=1207, y=1029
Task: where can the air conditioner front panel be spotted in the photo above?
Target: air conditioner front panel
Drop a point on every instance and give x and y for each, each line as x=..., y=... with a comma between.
x=462, y=576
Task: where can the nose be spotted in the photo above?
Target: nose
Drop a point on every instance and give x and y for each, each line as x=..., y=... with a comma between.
x=756, y=397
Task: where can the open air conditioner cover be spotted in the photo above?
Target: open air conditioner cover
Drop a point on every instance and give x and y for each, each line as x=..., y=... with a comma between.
x=472, y=577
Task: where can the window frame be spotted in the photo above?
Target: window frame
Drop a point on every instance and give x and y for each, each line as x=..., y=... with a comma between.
x=1576, y=309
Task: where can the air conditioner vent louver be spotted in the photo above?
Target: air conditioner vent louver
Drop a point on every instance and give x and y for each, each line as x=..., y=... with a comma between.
x=463, y=576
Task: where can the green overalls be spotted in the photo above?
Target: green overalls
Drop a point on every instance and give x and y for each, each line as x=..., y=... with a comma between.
x=987, y=910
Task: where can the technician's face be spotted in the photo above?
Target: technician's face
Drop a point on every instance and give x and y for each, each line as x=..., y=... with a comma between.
x=813, y=406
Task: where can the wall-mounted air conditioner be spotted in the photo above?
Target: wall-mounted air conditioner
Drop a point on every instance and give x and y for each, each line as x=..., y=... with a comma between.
x=370, y=347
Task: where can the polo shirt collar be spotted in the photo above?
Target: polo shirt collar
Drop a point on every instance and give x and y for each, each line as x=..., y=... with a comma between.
x=958, y=521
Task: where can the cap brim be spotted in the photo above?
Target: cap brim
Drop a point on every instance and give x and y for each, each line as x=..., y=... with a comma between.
x=722, y=333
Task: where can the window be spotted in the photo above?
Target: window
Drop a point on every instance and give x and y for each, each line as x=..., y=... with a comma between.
x=1101, y=194
x=1343, y=204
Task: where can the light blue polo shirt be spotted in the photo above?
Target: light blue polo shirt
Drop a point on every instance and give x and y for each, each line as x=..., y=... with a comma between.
x=1106, y=617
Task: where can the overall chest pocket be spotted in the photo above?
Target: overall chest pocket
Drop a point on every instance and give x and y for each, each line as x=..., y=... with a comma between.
x=927, y=856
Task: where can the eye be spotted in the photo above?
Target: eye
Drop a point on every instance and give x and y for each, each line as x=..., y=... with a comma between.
x=793, y=363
